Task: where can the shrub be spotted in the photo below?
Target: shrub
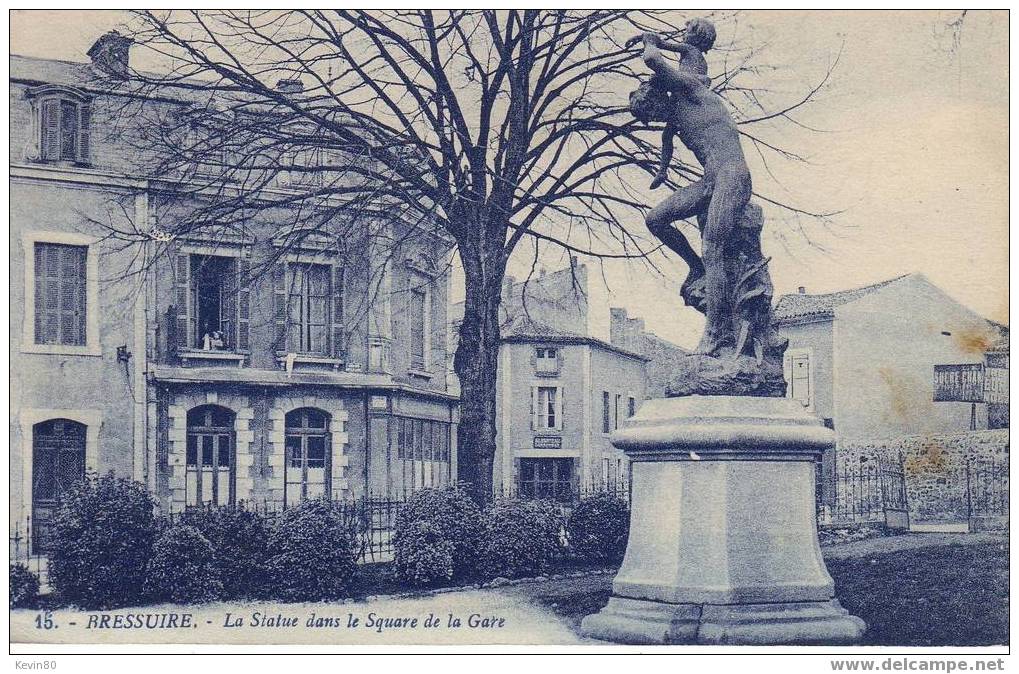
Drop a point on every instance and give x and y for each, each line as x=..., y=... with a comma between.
x=522, y=538
x=239, y=539
x=182, y=569
x=24, y=586
x=598, y=528
x=310, y=554
x=437, y=537
x=102, y=538
x=424, y=556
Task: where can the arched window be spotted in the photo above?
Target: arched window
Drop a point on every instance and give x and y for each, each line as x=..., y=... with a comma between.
x=210, y=456
x=308, y=465
x=63, y=121
x=58, y=461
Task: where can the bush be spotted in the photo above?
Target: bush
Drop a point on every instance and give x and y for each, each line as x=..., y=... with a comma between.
x=424, y=556
x=598, y=528
x=239, y=539
x=437, y=537
x=182, y=569
x=24, y=586
x=102, y=538
x=522, y=538
x=310, y=554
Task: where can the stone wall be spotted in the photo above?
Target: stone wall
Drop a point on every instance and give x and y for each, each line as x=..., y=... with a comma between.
x=935, y=467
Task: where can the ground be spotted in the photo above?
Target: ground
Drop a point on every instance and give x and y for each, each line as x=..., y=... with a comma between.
x=913, y=589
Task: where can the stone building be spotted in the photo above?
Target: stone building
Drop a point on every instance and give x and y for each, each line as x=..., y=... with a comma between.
x=572, y=369
x=248, y=363
x=863, y=359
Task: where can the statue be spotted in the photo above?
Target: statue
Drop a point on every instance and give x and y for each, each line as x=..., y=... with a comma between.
x=740, y=352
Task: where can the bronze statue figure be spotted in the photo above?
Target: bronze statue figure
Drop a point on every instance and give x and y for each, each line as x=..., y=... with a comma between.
x=740, y=353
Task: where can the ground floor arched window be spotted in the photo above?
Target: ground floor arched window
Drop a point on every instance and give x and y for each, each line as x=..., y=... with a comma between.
x=58, y=461
x=308, y=461
x=211, y=461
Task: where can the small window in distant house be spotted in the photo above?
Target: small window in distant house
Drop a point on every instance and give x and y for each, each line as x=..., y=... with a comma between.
x=606, y=413
x=631, y=407
x=418, y=327
x=60, y=294
x=547, y=359
x=64, y=128
x=799, y=384
x=547, y=415
x=618, y=410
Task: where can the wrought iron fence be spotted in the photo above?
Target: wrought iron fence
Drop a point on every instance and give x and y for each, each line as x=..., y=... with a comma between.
x=986, y=487
x=866, y=493
x=23, y=552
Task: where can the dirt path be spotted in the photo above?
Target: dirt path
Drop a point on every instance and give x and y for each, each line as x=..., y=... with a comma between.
x=911, y=541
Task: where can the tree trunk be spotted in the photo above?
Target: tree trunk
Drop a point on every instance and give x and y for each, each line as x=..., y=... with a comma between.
x=476, y=364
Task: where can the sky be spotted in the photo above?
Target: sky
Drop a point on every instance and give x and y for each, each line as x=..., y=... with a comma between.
x=908, y=143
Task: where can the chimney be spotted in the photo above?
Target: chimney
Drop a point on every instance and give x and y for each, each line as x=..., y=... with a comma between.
x=290, y=86
x=110, y=54
x=617, y=326
x=803, y=290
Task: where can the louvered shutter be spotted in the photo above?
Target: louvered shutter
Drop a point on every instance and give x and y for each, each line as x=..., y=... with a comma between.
x=84, y=132
x=47, y=316
x=534, y=407
x=72, y=295
x=182, y=300
x=228, y=309
x=279, y=277
x=244, y=304
x=560, y=406
x=338, y=341
x=49, y=133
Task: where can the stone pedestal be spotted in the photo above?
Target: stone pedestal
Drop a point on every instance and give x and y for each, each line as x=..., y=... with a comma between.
x=723, y=540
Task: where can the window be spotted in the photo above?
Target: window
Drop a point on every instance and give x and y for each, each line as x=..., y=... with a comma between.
x=548, y=408
x=60, y=294
x=799, y=378
x=418, y=327
x=546, y=479
x=64, y=124
x=58, y=461
x=308, y=308
x=619, y=405
x=209, y=475
x=546, y=360
x=422, y=453
x=214, y=302
x=308, y=460
x=605, y=413
x=631, y=407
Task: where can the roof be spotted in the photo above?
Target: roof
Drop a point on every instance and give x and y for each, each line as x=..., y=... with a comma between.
x=794, y=306
x=525, y=329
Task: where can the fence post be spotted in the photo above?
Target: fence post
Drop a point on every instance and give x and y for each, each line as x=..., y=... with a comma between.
x=969, y=498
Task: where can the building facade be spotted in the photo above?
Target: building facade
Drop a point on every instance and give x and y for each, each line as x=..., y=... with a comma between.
x=863, y=359
x=572, y=369
x=246, y=362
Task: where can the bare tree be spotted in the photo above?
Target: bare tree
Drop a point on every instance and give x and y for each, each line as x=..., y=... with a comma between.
x=490, y=126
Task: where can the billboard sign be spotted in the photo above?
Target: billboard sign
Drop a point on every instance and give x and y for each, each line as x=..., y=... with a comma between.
x=959, y=383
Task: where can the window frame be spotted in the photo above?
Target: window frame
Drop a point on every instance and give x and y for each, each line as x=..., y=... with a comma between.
x=539, y=418
x=304, y=432
x=791, y=356
x=216, y=432
x=304, y=297
x=59, y=96
x=606, y=412
x=92, y=346
x=419, y=285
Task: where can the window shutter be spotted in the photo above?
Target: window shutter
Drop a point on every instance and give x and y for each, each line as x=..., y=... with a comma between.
x=182, y=300
x=50, y=130
x=84, y=132
x=534, y=408
x=787, y=373
x=228, y=309
x=338, y=342
x=47, y=314
x=72, y=287
x=560, y=406
x=243, y=304
x=279, y=277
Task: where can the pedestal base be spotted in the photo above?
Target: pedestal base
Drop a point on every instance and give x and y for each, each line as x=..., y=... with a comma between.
x=639, y=621
x=723, y=542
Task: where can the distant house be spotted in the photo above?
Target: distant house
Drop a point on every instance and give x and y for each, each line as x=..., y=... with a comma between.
x=863, y=359
x=571, y=371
